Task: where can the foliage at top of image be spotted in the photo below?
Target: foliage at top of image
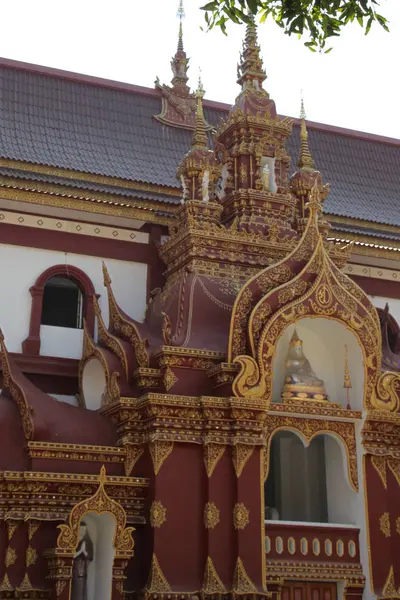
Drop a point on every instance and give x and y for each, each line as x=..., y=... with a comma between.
x=317, y=20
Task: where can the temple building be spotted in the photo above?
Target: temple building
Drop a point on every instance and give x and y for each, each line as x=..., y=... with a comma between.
x=200, y=344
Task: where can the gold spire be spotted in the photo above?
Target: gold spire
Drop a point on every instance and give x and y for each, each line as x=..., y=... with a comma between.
x=199, y=139
x=305, y=159
x=250, y=70
x=347, y=380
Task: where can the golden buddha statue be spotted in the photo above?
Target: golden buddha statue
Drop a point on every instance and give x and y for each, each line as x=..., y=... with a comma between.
x=301, y=383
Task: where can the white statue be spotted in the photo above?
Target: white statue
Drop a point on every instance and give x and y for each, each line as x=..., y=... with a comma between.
x=265, y=176
x=204, y=186
x=221, y=184
x=184, y=189
x=83, y=556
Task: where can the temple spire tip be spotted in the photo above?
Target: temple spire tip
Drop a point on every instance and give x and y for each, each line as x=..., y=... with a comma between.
x=305, y=158
x=199, y=135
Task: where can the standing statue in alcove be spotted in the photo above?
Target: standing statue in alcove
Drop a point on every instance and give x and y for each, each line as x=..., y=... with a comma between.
x=265, y=176
x=83, y=556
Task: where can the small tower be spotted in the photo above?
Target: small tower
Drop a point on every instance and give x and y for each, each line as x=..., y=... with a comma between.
x=178, y=102
x=303, y=180
x=252, y=144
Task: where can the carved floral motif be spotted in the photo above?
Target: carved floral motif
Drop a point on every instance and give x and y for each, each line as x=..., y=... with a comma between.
x=211, y=515
x=158, y=514
x=240, y=516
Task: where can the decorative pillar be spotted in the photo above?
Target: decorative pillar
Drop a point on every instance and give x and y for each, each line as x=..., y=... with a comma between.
x=220, y=486
x=60, y=572
x=248, y=519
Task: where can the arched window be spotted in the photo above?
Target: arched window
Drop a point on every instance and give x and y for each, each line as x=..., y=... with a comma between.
x=296, y=486
x=62, y=296
x=62, y=303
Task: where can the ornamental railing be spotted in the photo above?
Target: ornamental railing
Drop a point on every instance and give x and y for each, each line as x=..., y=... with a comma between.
x=316, y=542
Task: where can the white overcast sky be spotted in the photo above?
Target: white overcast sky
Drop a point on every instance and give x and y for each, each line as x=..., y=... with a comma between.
x=357, y=85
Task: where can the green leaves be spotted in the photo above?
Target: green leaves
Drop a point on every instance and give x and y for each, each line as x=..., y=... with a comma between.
x=319, y=20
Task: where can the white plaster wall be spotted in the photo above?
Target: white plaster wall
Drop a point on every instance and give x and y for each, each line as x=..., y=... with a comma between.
x=323, y=345
x=342, y=498
x=101, y=529
x=20, y=268
x=394, y=305
x=64, y=398
x=93, y=384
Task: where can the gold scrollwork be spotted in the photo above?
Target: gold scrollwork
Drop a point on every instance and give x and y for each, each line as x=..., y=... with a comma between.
x=212, y=584
x=240, y=455
x=99, y=503
x=212, y=455
x=379, y=464
x=242, y=582
x=159, y=452
x=241, y=516
x=385, y=395
x=158, y=514
x=33, y=526
x=133, y=453
x=157, y=582
x=31, y=556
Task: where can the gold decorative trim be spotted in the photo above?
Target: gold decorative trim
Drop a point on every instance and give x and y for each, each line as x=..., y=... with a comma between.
x=157, y=583
x=133, y=453
x=52, y=450
x=10, y=557
x=33, y=526
x=343, y=431
x=159, y=452
x=44, y=222
x=211, y=515
x=240, y=455
x=379, y=464
x=212, y=583
x=60, y=586
x=138, y=210
x=169, y=379
x=100, y=503
x=89, y=177
x=384, y=524
x=31, y=556
x=242, y=583
x=5, y=585
x=212, y=455
x=398, y=525
x=389, y=589
x=394, y=466
x=240, y=516
x=12, y=526
x=158, y=514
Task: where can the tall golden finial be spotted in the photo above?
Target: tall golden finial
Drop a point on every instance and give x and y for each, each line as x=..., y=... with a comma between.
x=347, y=381
x=250, y=70
x=305, y=159
x=181, y=15
x=199, y=139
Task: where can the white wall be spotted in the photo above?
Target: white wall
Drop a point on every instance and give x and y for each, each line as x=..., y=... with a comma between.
x=93, y=384
x=323, y=345
x=342, y=498
x=20, y=268
x=64, y=398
